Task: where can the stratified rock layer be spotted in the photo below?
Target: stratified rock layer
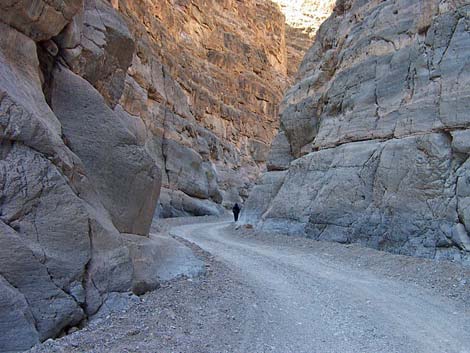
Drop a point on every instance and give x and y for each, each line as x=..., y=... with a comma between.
x=211, y=75
x=374, y=135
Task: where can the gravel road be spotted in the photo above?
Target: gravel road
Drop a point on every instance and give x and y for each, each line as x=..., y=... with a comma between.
x=268, y=293
x=305, y=303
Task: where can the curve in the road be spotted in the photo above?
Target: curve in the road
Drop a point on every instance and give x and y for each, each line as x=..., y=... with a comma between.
x=309, y=304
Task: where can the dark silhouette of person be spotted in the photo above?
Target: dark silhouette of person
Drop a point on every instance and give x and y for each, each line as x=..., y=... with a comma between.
x=236, y=211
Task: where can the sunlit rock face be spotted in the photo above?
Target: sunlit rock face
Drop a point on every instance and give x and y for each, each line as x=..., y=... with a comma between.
x=373, y=145
x=207, y=79
x=303, y=19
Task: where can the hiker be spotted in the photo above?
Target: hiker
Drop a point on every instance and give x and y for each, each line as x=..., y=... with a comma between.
x=236, y=211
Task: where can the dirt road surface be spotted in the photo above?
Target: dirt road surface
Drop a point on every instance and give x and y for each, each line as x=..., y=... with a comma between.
x=265, y=293
x=307, y=304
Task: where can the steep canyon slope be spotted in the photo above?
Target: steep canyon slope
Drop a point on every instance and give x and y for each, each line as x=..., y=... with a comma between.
x=374, y=139
x=303, y=18
x=74, y=173
x=101, y=103
x=206, y=79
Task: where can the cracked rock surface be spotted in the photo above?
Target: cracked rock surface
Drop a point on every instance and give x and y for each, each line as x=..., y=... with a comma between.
x=102, y=103
x=61, y=210
x=373, y=134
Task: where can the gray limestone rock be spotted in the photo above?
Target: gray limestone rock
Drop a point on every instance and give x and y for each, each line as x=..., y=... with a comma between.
x=24, y=114
x=261, y=197
x=175, y=203
x=16, y=321
x=381, y=108
x=159, y=259
x=105, y=50
x=189, y=173
x=126, y=177
x=60, y=253
x=280, y=155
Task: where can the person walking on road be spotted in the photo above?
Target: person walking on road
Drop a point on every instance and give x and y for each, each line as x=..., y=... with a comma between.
x=236, y=211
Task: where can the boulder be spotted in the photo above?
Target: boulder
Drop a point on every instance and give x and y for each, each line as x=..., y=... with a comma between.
x=159, y=259
x=125, y=176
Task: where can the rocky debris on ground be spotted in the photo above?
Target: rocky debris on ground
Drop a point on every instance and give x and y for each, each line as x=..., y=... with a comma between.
x=211, y=313
x=372, y=133
x=200, y=314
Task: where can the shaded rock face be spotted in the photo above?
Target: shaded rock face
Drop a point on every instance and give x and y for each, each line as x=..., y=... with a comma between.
x=126, y=177
x=74, y=172
x=374, y=135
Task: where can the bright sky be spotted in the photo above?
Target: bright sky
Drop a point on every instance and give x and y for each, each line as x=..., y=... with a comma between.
x=308, y=14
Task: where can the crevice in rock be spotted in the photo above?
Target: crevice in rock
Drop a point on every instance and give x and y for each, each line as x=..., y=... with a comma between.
x=164, y=144
x=47, y=62
x=87, y=274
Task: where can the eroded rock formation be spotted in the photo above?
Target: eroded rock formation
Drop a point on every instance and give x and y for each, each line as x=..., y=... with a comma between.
x=374, y=139
x=303, y=18
x=211, y=75
x=74, y=175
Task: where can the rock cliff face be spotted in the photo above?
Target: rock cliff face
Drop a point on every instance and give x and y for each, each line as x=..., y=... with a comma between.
x=374, y=139
x=74, y=170
x=210, y=75
x=303, y=18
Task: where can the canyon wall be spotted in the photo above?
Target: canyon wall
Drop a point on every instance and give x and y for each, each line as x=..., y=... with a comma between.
x=303, y=18
x=101, y=104
x=374, y=139
x=206, y=79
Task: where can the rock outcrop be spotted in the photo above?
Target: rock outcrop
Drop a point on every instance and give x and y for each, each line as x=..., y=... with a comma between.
x=74, y=174
x=373, y=145
x=303, y=18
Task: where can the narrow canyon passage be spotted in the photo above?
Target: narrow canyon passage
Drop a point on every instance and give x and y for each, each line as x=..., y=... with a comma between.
x=262, y=292
x=304, y=303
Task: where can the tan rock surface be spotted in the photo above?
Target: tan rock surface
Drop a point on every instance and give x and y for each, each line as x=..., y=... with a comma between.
x=211, y=74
